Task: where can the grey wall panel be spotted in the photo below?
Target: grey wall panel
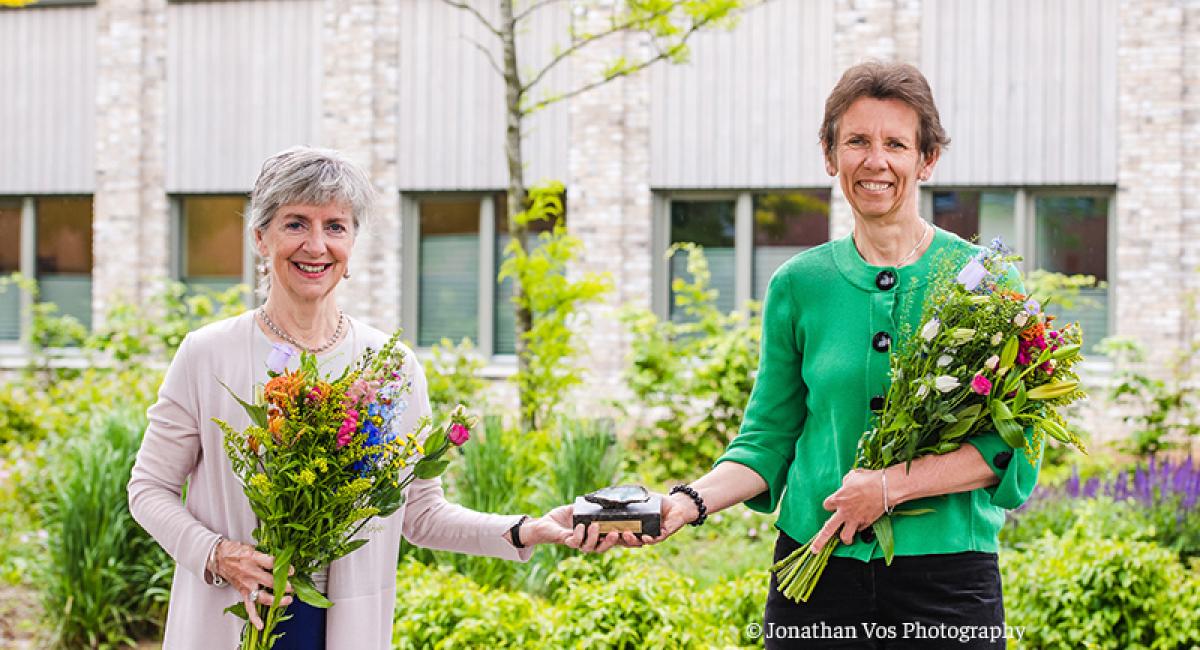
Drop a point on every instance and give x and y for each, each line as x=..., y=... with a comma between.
x=451, y=124
x=1026, y=90
x=243, y=82
x=745, y=112
x=47, y=104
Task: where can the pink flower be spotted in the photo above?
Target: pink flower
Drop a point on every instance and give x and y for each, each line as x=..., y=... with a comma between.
x=981, y=385
x=344, y=435
x=459, y=434
x=1023, y=357
x=361, y=391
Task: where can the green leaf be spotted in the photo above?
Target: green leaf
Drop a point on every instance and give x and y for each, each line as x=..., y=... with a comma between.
x=353, y=546
x=307, y=592
x=1008, y=428
x=1009, y=354
x=887, y=540
x=238, y=610
x=966, y=419
x=430, y=469
x=1020, y=399
x=283, y=563
x=1065, y=352
x=435, y=443
x=258, y=414
x=915, y=511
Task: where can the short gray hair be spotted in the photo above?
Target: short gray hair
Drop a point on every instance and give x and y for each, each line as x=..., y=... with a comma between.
x=310, y=176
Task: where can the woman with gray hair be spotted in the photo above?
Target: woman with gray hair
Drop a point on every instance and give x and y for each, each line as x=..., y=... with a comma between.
x=307, y=208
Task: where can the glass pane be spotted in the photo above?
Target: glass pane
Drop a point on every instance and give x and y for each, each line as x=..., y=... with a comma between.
x=1072, y=238
x=977, y=216
x=449, y=274
x=505, y=316
x=10, y=262
x=64, y=255
x=785, y=224
x=711, y=225
x=10, y=237
x=213, y=240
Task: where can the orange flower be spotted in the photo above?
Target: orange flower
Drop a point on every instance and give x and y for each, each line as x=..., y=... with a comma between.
x=283, y=389
x=1033, y=331
x=275, y=426
x=1012, y=295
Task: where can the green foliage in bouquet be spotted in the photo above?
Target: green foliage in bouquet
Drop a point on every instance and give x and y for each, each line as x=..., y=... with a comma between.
x=323, y=457
x=105, y=581
x=695, y=375
x=1091, y=588
x=986, y=358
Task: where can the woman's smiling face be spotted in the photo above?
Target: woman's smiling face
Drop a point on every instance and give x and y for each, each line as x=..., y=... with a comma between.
x=309, y=249
x=877, y=157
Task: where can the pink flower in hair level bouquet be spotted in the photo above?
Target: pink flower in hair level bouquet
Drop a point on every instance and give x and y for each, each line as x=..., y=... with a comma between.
x=322, y=457
x=986, y=358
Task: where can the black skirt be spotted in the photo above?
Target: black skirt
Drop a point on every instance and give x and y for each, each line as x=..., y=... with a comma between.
x=924, y=601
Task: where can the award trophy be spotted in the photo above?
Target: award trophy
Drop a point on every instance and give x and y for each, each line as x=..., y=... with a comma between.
x=625, y=508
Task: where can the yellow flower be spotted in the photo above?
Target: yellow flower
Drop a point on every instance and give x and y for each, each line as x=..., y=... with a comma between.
x=306, y=477
x=260, y=482
x=321, y=465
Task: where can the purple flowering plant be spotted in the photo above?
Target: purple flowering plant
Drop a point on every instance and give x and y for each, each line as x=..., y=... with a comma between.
x=985, y=358
x=322, y=457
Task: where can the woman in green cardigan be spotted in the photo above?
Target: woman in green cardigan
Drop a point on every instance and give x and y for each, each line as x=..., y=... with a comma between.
x=830, y=318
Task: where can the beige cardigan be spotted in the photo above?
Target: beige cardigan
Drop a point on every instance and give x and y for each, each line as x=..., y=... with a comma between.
x=183, y=446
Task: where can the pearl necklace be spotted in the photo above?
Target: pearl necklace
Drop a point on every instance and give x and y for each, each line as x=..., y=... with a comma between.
x=278, y=331
x=904, y=260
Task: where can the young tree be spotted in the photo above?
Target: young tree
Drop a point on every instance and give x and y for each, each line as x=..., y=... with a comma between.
x=667, y=26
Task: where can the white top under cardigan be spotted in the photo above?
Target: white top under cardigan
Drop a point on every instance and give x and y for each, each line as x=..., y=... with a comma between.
x=183, y=446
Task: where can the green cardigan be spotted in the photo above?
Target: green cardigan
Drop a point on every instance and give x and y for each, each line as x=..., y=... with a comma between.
x=820, y=368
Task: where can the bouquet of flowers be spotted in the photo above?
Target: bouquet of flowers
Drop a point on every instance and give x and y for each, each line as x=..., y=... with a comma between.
x=323, y=456
x=985, y=358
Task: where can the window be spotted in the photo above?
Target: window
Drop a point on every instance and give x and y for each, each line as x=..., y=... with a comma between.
x=458, y=253
x=64, y=254
x=746, y=236
x=449, y=273
x=212, y=249
x=786, y=224
x=709, y=224
x=1055, y=230
x=1072, y=238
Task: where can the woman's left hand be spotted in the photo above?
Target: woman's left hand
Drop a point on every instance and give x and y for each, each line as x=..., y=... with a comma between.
x=855, y=506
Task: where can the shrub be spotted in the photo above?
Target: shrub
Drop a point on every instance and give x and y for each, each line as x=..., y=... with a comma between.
x=436, y=607
x=695, y=375
x=1085, y=589
x=609, y=601
x=452, y=372
x=105, y=581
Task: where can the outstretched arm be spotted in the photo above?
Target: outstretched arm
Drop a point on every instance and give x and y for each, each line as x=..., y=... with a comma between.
x=728, y=484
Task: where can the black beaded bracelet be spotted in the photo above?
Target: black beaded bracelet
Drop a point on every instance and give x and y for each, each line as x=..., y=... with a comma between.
x=700, y=507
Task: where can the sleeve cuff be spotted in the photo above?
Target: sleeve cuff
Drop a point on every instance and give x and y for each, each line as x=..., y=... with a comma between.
x=494, y=544
x=767, y=464
x=1017, y=474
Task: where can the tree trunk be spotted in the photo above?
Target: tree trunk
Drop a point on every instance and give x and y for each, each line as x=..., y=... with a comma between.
x=516, y=186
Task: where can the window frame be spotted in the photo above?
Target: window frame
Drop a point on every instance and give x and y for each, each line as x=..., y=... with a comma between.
x=410, y=285
x=1025, y=225
x=15, y=353
x=178, y=243
x=743, y=240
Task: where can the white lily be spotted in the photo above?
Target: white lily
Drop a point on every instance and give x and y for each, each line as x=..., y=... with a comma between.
x=945, y=383
x=997, y=338
x=1020, y=319
x=992, y=362
x=922, y=391
x=962, y=335
x=944, y=360
x=930, y=329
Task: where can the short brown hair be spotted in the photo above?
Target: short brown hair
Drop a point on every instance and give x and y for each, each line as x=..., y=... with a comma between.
x=881, y=80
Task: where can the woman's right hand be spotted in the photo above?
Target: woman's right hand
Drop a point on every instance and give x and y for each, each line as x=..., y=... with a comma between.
x=250, y=573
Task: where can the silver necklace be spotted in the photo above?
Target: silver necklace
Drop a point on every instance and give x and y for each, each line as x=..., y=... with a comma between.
x=917, y=245
x=278, y=331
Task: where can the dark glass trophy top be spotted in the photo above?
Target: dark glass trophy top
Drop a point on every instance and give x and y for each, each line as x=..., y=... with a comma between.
x=611, y=498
